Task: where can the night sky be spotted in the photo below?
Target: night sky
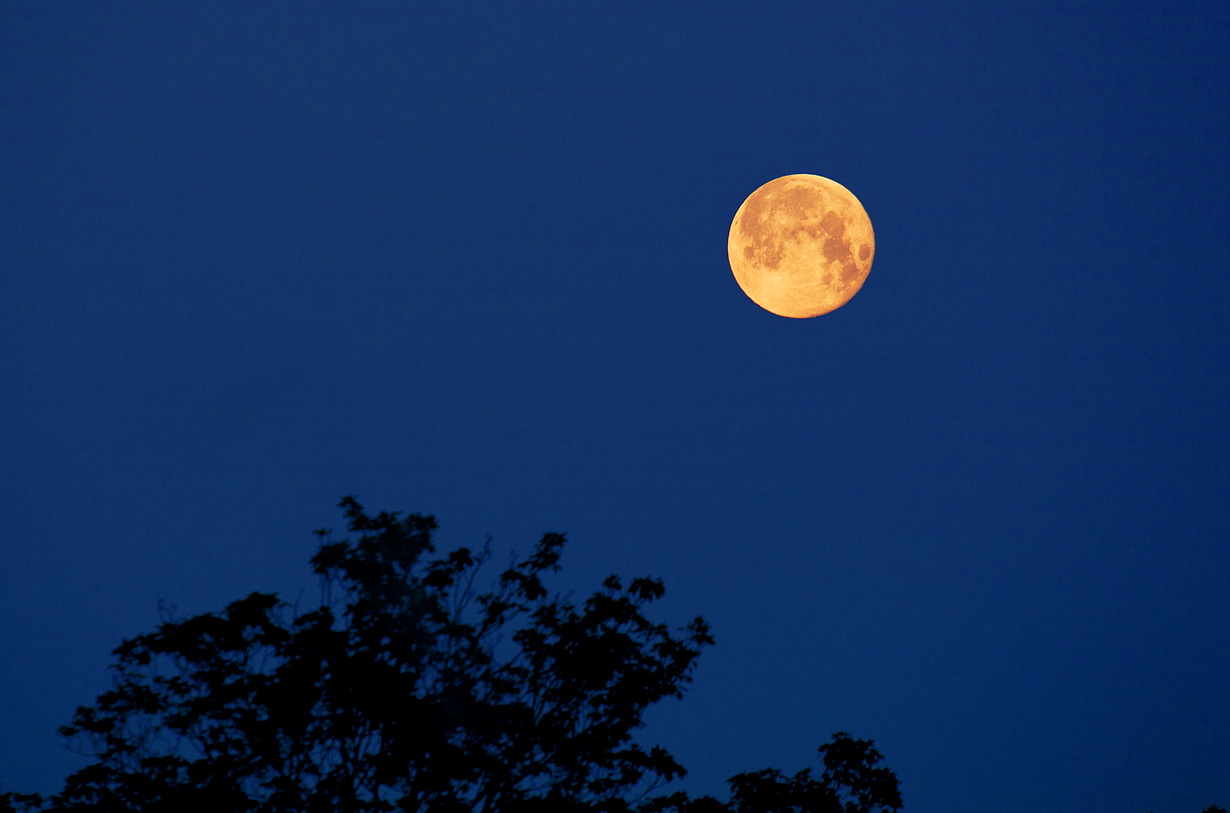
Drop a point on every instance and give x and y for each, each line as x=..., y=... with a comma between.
x=469, y=259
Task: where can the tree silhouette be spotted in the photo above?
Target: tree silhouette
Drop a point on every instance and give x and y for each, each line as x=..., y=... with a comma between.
x=408, y=690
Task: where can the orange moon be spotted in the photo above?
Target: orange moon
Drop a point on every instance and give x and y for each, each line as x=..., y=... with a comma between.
x=801, y=246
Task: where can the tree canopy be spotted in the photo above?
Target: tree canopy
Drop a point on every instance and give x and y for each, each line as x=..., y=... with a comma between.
x=409, y=688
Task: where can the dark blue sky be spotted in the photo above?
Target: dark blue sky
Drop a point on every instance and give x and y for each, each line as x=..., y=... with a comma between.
x=469, y=259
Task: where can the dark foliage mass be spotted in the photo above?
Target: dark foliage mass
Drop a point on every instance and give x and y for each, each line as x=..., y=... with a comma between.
x=407, y=689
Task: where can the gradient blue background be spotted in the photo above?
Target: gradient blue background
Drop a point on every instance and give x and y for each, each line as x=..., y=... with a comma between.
x=469, y=259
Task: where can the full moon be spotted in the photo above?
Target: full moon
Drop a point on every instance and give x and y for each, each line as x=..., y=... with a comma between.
x=801, y=246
